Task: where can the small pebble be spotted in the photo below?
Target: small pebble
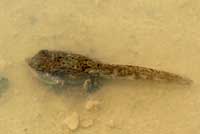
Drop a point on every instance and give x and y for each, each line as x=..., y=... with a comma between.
x=72, y=121
x=92, y=105
x=87, y=123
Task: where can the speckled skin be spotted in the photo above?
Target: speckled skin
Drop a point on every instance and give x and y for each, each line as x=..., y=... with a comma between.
x=64, y=68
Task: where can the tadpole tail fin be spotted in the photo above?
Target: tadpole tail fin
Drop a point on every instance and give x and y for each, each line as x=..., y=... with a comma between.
x=138, y=72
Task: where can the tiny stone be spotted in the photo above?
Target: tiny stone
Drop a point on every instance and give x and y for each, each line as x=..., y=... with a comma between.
x=72, y=121
x=92, y=105
x=87, y=123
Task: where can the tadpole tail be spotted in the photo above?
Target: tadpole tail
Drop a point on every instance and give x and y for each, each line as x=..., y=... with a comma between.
x=138, y=72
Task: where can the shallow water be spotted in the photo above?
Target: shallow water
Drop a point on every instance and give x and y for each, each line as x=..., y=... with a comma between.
x=160, y=34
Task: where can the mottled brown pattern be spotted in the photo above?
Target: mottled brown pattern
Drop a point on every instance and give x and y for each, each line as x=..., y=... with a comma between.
x=69, y=65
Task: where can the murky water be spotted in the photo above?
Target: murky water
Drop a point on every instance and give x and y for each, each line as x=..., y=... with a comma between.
x=158, y=34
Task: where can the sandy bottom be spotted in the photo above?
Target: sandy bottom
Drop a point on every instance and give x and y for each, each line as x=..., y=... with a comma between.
x=158, y=34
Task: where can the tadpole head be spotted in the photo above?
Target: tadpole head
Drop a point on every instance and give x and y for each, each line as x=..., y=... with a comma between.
x=38, y=61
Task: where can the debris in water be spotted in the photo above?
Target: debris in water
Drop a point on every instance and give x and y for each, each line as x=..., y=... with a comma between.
x=72, y=121
x=92, y=105
x=87, y=123
x=3, y=83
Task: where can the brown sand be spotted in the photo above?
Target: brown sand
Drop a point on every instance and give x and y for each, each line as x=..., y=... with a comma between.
x=158, y=34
